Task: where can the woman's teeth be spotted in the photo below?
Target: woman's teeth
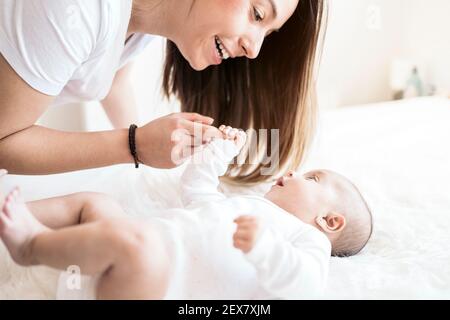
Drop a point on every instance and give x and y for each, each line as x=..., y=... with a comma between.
x=223, y=53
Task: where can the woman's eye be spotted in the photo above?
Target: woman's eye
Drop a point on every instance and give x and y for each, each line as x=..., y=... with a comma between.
x=258, y=15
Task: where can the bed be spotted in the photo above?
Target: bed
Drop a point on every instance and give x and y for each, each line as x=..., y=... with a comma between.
x=397, y=153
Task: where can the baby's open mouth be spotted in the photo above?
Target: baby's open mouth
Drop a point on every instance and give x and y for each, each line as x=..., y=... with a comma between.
x=280, y=182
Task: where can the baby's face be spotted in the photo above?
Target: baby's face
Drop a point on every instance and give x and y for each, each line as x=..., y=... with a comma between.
x=305, y=196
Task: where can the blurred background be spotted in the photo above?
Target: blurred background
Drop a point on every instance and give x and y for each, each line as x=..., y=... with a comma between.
x=374, y=51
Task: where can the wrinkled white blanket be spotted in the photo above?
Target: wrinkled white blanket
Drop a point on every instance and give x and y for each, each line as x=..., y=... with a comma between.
x=397, y=153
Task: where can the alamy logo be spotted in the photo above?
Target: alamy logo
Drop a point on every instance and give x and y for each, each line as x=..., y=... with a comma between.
x=73, y=281
x=257, y=148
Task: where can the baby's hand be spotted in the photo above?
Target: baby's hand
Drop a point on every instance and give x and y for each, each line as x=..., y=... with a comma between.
x=247, y=233
x=238, y=136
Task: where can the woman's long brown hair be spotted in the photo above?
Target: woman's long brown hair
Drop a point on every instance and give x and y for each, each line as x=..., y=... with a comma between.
x=274, y=91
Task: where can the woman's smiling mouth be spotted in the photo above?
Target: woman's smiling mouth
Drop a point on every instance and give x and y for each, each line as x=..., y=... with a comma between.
x=221, y=50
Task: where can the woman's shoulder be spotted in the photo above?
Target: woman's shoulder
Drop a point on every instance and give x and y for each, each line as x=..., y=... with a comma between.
x=46, y=41
x=113, y=16
x=99, y=19
x=94, y=18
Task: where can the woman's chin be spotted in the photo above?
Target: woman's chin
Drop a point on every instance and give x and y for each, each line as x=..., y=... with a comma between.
x=198, y=66
x=195, y=60
x=198, y=63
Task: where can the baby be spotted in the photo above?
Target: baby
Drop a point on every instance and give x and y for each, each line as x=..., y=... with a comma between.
x=243, y=247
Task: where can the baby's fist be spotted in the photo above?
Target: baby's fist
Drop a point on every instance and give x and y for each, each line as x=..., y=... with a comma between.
x=247, y=233
x=238, y=136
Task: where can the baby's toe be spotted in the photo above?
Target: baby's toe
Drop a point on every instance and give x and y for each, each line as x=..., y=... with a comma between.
x=4, y=221
x=7, y=208
x=10, y=201
x=8, y=198
x=16, y=194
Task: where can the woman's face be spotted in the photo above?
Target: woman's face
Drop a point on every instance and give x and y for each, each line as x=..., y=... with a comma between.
x=220, y=29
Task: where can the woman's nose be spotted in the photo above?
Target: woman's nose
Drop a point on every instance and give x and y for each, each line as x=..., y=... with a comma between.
x=251, y=48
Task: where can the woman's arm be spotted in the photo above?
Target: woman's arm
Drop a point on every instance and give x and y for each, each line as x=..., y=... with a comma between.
x=29, y=149
x=120, y=104
x=38, y=150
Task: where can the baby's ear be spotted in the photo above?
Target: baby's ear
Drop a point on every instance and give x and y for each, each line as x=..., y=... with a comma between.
x=333, y=222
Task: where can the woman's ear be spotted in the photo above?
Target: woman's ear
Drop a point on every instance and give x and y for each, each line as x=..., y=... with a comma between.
x=333, y=222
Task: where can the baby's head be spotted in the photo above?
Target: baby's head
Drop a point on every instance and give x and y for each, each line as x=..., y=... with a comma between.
x=329, y=202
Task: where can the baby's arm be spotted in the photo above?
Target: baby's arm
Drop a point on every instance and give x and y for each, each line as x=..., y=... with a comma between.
x=295, y=269
x=201, y=177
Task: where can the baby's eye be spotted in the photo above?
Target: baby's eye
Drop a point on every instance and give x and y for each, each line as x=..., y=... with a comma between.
x=315, y=178
x=258, y=16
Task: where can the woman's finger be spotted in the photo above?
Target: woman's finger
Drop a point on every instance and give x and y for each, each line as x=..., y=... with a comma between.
x=190, y=151
x=210, y=133
x=245, y=218
x=245, y=226
x=203, y=131
x=195, y=117
x=240, y=243
x=242, y=235
x=195, y=150
x=184, y=139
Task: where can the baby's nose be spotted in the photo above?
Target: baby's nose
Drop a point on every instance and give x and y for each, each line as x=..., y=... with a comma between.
x=291, y=174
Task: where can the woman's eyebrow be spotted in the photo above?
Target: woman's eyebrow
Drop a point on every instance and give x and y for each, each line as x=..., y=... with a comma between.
x=274, y=8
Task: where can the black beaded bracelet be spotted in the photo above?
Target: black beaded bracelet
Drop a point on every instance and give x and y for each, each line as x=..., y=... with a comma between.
x=132, y=143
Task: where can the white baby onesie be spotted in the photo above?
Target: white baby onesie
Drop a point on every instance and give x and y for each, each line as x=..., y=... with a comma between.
x=289, y=261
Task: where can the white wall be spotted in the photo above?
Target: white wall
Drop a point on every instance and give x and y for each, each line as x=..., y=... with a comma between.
x=358, y=49
x=427, y=39
x=357, y=57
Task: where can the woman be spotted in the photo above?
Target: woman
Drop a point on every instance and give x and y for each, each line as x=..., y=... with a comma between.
x=54, y=52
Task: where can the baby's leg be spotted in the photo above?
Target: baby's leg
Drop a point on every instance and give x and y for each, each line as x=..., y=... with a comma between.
x=74, y=209
x=130, y=257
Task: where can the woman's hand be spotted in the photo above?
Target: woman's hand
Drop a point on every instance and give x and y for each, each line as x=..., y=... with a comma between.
x=247, y=233
x=168, y=141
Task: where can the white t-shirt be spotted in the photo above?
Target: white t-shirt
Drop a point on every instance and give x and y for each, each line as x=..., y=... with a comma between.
x=71, y=49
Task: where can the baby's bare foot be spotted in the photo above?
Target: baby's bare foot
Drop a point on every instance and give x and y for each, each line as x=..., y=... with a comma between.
x=18, y=227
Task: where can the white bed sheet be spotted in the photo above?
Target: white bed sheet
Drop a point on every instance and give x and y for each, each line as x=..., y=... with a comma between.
x=397, y=153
